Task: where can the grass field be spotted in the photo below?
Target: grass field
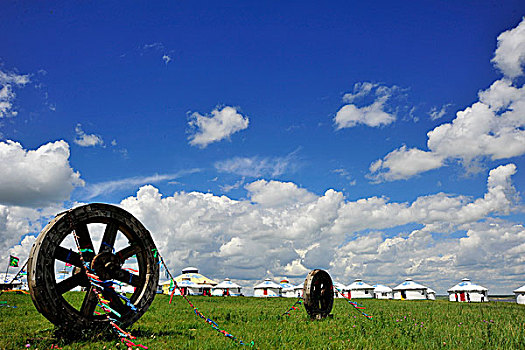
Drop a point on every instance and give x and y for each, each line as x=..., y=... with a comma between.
x=396, y=324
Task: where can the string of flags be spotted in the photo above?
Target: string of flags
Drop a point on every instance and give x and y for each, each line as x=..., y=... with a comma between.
x=107, y=287
x=293, y=307
x=212, y=323
x=357, y=306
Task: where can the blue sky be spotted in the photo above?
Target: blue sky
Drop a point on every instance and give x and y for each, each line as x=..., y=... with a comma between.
x=301, y=113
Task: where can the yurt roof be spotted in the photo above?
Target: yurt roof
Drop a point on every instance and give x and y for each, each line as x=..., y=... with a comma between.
x=190, y=269
x=358, y=284
x=339, y=286
x=227, y=284
x=286, y=285
x=196, y=278
x=187, y=283
x=520, y=290
x=430, y=291
x=466, y=286
x=380, y=288
x=409, y=285
x=299, y=286
x=267, y=283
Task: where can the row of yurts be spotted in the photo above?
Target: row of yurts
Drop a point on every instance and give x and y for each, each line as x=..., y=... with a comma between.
x=191, y=282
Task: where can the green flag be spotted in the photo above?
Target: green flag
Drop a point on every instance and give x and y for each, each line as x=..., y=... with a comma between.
x=13, y=261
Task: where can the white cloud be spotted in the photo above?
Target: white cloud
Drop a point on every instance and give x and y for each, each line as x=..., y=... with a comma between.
x=167, y=59
x=220, y=125
x=131, y=183
x=87, y=140
x=286, y=230
x=277, y=194
x=257, y=166
x=373, y=115
x=510, y=54
x=7, y=82
x=36, y=177
x=493, y=127
x=403, y=163
x=436, y=113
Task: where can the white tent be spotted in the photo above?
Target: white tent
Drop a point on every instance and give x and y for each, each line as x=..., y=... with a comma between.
x=431, y=294
x=267, y=289
x=382, y=292
x=520, y=295
x=359, y=289
x=410, y=290
x=466, y=291
x=341, y=289
x=298, y=290
x=287, y=289
x=227, y=288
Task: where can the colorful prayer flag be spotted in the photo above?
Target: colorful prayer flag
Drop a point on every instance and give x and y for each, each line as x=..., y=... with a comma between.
x=13, y=261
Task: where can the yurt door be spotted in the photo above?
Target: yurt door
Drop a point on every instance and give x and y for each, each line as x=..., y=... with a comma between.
x=265, y=291
x=462, y=296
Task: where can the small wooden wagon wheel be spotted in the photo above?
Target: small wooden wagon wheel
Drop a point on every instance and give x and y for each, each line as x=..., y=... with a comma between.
x=318, y=294
x=48, y=293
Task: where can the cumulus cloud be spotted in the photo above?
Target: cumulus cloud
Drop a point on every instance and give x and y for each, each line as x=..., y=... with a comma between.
x=258, y=166
x=87, y=140
x=374, y=115
x=493, y=127
x=9, y=81
x=220, y=125
x=403, y=163
x=510, y=54
x=36, y=177
x=284, y=230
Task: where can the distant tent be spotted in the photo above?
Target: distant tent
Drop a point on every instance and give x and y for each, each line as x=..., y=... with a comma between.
x=359, y=289
x=520, y=295
x=410, y=290
x=339, y=289
x=227, y=288
x=298, y=290
x=431, y=294
x=287, y=289
x=192, y=274
x=8, y=282
x=382, y=292
x=466, y=291
x=268, y=288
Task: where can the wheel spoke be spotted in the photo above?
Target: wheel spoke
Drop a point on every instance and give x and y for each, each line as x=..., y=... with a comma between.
x=110, y=234
x=127, y=252
x=71, y=282
x=84, y=239
x=128, y=277
x=90, y=303
x=68, y=256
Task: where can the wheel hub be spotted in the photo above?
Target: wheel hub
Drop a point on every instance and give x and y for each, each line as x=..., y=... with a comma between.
x=105, y=265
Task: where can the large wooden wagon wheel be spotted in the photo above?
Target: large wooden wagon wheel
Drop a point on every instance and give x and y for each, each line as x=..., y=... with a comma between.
x=318, y=294
x=48, y=293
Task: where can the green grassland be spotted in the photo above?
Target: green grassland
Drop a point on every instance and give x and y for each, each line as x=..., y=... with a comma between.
x=395, y=325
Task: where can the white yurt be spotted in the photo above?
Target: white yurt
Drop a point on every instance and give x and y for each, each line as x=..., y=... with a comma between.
x=227, y=288
x=339, y=289
x=268, y=288
x=520, y=295
x=431, y=294
x=382, y=292
x=287, y=289
x=466, y=291
x=410, y=290
x=359, y=290
x=298, y=290
x=191, y=274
